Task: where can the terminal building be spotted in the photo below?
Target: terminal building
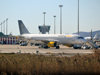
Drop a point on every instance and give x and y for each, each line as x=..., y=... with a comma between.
x=5, y=39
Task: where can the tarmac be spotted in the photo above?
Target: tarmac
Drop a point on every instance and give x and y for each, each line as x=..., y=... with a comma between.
x=34, y=49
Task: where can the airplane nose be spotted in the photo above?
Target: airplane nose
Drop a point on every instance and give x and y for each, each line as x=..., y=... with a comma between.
x=84, y=41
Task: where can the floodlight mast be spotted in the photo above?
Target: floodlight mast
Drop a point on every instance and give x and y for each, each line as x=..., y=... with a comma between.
x=44, y=18
x=78, y=18
x=1, y=26
x=60, y=18
x=6, y=26
x=54, y=24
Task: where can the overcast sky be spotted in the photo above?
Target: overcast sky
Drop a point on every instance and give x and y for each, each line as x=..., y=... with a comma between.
x=31, y=13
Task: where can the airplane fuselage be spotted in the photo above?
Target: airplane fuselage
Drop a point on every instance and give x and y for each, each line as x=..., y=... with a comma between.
x=60, y=38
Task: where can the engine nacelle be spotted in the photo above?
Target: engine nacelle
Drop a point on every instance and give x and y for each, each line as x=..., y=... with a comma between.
x=51, y=44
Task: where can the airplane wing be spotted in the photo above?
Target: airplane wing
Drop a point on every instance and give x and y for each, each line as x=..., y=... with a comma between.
x=42, y=40
x=48, y=40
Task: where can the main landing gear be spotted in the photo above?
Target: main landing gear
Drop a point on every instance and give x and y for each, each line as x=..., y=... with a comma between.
x=43, y=46
x=57, y=47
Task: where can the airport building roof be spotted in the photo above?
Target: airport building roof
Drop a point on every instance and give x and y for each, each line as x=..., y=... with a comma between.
x=2, y=35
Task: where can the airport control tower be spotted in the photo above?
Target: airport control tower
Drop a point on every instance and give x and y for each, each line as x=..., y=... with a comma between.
x=43, y=29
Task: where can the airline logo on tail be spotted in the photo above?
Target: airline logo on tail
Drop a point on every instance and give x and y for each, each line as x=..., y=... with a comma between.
x=21, y=25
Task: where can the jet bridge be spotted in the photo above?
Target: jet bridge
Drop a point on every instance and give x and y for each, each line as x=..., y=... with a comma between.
x=90, y=42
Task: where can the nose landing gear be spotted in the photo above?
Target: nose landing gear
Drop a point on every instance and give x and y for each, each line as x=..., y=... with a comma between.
x=57, y=45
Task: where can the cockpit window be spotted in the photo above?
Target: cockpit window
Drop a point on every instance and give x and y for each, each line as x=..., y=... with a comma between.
x=80, y=38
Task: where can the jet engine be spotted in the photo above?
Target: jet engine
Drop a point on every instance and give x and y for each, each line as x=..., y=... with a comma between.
x=51, y=44
x=69, y=45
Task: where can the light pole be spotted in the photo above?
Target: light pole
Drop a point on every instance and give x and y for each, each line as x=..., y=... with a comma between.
x=78, y=17
x=44, y=18
x=91, y=34
x=1, y=26
x=6, y=26
x=60, y=18
x=54, y=24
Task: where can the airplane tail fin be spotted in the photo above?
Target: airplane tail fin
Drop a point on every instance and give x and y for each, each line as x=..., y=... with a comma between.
x=96, y=35
x=22, y=28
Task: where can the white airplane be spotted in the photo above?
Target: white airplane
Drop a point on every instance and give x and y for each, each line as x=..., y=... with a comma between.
x=51, y=40
x=94, y=38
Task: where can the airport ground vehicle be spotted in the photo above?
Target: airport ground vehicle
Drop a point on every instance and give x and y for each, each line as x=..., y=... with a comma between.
x=17, y=42
x=77, y=46
x=98, y=44
x=23, y=44
x=86, y=47
x=31, y=44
